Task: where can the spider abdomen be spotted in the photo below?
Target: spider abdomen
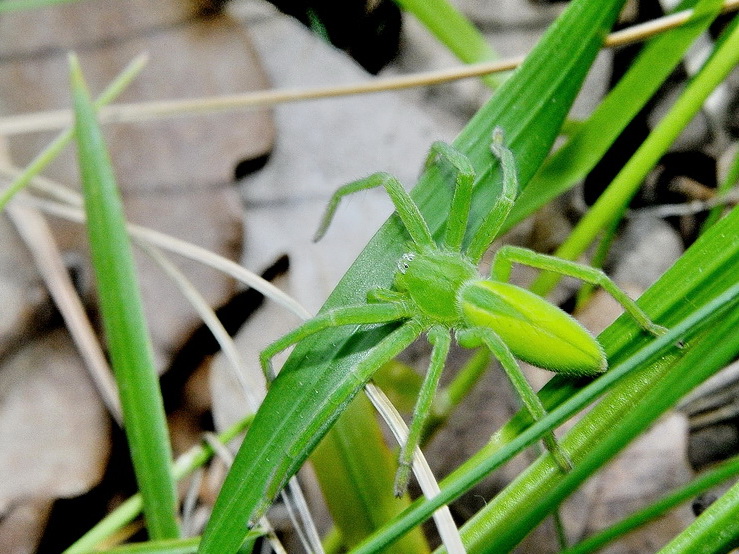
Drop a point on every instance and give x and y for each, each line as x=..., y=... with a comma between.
x=535, y=330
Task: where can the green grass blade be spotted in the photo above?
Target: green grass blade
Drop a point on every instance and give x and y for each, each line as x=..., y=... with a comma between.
x=618, y=194
x=591, y=140
x=731, y=180
x=318, y=380
x=455, y=31
x=123, y=320
x=700, y=484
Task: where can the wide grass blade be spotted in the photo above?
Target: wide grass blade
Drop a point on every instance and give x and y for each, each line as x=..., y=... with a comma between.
x=123, y=320
x=319, y=380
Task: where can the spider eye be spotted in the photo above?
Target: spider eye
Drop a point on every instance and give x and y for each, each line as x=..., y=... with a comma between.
x=404, y=262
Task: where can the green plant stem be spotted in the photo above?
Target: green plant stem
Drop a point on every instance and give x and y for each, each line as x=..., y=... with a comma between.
x=123, y=318
x=624, y=186
x=48, y=154
x=124, y=514
x=709, y=479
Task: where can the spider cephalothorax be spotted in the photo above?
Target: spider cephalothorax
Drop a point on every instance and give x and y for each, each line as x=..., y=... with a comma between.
x=432, y=280
x=438, y=290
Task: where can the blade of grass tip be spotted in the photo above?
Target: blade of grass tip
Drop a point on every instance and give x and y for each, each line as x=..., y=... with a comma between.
x=48, y=154
x=124, y=321
x=702, y=483
x=624, y=186
x=455, y=31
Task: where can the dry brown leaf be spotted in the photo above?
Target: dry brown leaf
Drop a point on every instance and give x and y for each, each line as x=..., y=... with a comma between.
x=53, y=428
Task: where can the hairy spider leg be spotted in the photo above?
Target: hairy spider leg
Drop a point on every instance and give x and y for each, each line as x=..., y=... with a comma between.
x=508, y=255
x=460, y=208
x=351, y=315
x=495, y=218
x=405, y=207
x=440, y=339
x=477, y=336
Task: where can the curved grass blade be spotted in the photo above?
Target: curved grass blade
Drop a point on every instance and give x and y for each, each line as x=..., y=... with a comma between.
x=319, y=380
x=124, y=321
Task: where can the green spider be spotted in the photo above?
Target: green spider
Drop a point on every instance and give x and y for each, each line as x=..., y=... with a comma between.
x=437, y=289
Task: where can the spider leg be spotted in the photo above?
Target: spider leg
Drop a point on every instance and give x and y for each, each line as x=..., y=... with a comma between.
x=440, y=338
x=407, y=209
x=350, y=315
x=491, y=224
x=508, y=255
x=522, y=387
x=460, y=209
